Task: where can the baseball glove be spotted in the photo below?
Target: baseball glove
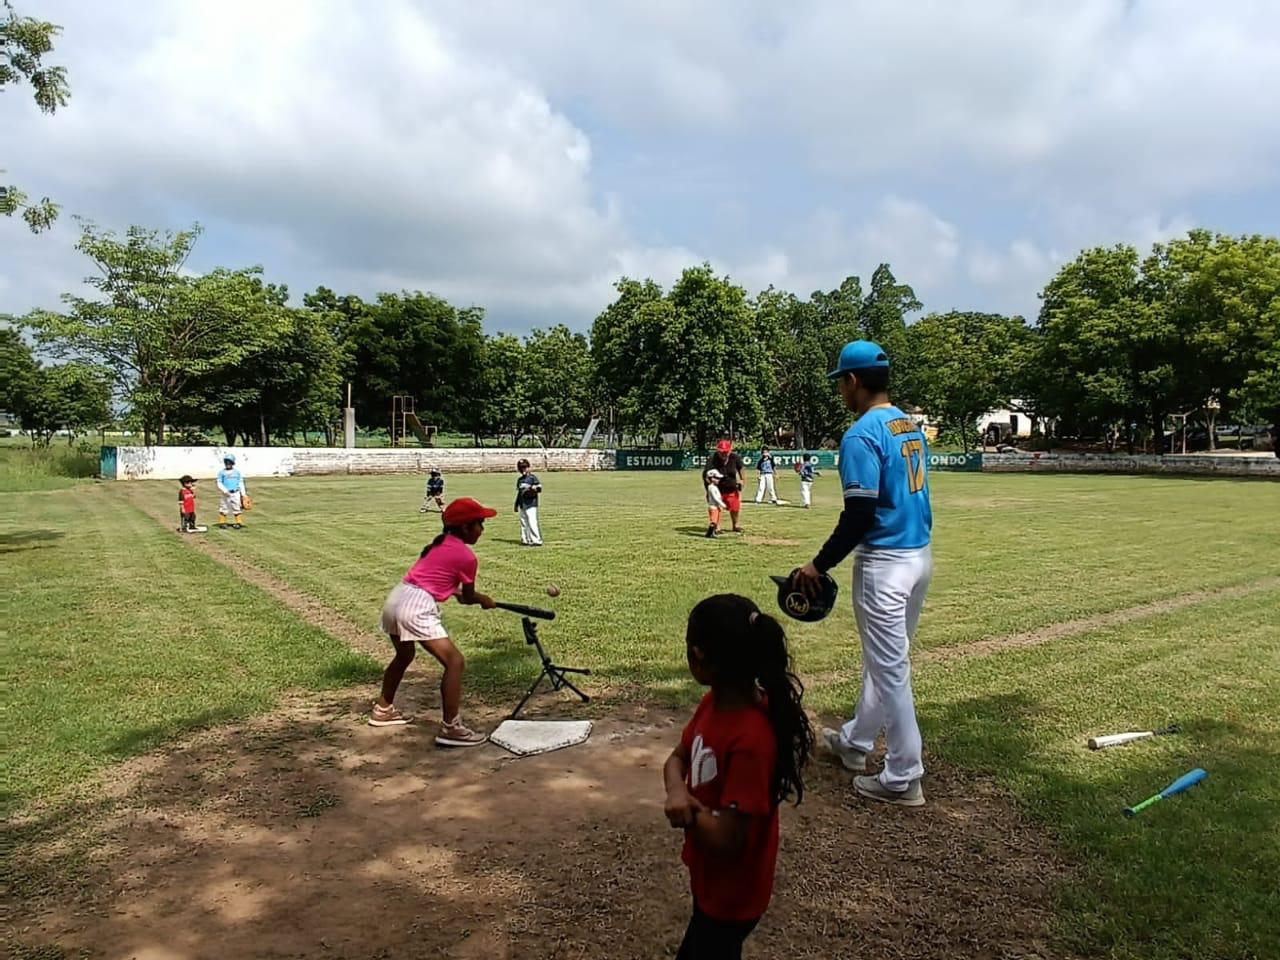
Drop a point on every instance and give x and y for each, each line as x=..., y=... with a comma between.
x=246, y=502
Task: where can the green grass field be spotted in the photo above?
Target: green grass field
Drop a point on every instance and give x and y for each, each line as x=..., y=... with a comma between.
x=123, y=635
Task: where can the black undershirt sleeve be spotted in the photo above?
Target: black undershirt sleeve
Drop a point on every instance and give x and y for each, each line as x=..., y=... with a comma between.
x=855, y=520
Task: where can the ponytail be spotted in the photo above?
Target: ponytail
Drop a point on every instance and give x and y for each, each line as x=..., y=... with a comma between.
x=744, y=646
x=784, y=692
x=439, y=540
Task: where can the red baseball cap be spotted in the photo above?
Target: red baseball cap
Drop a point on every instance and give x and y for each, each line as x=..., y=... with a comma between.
x=724, y=446
x=464, y=510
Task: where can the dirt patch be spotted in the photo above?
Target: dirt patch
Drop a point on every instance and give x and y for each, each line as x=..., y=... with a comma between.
x=1074, y=628
x=309, y=833
x=310, y=609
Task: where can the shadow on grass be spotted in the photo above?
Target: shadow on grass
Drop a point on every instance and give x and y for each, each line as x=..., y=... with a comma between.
x=27, y=540
x=1191, y=876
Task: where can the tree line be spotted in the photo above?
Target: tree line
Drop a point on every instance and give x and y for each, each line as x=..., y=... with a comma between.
x=1122, y=344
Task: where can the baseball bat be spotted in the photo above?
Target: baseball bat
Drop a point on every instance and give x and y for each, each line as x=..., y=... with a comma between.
x=524, y=611
x=1115, y=739
x=1184, y=782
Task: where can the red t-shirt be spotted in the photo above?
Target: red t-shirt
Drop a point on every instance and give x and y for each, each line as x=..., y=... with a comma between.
x=444, y=569
x=732, y=755
x=188, y=500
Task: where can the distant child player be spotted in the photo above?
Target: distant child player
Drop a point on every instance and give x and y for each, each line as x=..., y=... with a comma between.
x=808, y=470
x=739, y=757
x=715, y=501
x=187, y=505
x=446, y=568
x=765, y=472
x=231, y=486
x=528, y=486
x=434, y=492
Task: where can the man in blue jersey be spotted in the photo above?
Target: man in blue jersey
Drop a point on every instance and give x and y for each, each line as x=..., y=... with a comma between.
x=886, y=520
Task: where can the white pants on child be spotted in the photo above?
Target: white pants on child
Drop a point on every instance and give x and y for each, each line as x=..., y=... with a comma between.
x=530, y=535
x=806, y=492
x=889, y=588
x=766, y=483
x=229, y=505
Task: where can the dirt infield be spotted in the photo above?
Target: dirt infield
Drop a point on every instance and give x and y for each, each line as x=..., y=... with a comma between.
x=306, y=833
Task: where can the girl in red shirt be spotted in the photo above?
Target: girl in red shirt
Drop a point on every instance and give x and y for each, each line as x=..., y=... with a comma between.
x=446, y=568
x=740, y=756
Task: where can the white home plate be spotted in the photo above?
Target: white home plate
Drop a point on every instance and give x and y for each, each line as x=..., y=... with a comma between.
x=524, y=738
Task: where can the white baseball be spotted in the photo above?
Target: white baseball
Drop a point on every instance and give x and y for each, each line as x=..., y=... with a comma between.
x=553, y=590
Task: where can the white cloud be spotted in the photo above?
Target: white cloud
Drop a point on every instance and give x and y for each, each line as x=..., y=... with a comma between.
x=522, y=157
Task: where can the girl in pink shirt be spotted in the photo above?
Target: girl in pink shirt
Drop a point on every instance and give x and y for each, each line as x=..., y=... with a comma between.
x=446, y=568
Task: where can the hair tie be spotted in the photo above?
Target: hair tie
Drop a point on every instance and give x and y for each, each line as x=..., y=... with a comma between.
x=754, y=616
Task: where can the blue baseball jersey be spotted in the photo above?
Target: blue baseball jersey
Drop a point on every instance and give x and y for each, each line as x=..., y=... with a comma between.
x=884, y=455
x=230, y=479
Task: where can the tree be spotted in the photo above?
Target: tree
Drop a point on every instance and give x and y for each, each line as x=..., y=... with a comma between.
x=719, y=365
x=1109, y=353
x=805, y=337
x=884, y=320
x=503, y=408
x=294, y=383
x=963, y=365
x=628, y=364
x=156, y=329
x=24, y=42
x=17, y=370
x=556, y=376
x=416, y=344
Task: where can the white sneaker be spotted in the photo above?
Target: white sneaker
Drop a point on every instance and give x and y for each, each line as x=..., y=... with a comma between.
x=852, y=759
x=873, y=789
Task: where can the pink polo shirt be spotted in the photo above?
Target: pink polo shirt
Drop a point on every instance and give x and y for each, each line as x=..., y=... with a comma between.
x=444, y=569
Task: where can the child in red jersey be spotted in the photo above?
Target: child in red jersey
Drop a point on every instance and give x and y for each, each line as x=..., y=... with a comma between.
x=739, y=757
x=187, y=506
x=445, y=568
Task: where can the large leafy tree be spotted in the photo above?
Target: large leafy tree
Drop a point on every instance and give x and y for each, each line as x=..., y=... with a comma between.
x=75, y=397
x=556, y=381
x=17, y=369
x=502, y=408
x=964, y=364
x=294, y=383
x=1109, y=354
x=629, y=365
x=804, y=338
x=883, y=318
x=24, y=43
x=155, y=327
x=419, y=345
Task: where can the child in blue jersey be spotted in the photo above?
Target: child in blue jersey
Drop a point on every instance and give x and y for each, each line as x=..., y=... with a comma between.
x=231, y=487
x=887, y=518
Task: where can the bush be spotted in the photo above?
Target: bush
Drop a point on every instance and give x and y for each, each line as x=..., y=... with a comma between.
x=46, y=468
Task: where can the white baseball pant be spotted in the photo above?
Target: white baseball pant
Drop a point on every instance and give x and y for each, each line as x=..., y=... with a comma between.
x=806, y=492
x=529, y=532
x=889, y=588
x=766, y=483
x=229, y=504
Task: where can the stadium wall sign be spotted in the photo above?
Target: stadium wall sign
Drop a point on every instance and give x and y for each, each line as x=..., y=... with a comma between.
x=965, y=462
x=649, y=459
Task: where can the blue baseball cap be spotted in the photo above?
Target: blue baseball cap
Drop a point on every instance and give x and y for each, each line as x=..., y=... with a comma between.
x=859, y=355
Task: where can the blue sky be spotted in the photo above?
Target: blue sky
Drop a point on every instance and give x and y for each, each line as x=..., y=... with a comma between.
x=523, y=156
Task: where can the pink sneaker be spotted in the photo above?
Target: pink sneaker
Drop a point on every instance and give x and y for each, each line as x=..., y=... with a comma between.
x=387, y=717
x=458, y=734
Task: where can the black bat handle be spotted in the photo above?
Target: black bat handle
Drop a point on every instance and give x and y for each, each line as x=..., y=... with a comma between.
x=521, y=609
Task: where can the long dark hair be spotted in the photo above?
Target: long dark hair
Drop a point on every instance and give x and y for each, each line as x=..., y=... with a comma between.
x=746, y=647
x=456, y=531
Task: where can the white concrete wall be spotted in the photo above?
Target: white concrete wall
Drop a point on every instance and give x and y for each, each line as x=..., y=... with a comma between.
x=170, y=463
x=1189, y=465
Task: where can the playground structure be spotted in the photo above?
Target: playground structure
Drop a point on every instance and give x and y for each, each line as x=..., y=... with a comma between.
x=404, y=421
